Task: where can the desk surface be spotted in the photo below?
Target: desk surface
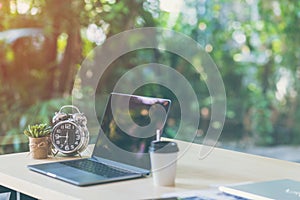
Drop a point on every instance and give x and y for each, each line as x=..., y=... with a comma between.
x=219, y=167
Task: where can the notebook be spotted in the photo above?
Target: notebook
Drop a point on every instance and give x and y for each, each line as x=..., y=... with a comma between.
x=275, y=189
x=128, y=126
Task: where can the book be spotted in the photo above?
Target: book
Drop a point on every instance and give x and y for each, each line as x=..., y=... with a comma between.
x=286, y=189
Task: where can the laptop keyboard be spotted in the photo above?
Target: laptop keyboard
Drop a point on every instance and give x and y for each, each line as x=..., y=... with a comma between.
x=98, y=168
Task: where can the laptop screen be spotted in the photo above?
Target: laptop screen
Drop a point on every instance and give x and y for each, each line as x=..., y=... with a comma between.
x=128, y=126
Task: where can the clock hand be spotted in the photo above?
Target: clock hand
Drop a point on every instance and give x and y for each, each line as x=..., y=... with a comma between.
x=59, y=136
x=67, y=137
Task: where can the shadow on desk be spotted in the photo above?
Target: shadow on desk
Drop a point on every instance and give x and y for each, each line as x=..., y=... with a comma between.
x=6, y=193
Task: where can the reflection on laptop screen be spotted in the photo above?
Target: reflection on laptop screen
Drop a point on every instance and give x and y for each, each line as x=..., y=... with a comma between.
x=129, y=125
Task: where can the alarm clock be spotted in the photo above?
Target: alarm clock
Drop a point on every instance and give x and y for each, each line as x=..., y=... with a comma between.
x=69, y=134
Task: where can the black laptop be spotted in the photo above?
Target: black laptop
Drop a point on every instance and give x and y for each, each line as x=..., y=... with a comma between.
x=128, y=126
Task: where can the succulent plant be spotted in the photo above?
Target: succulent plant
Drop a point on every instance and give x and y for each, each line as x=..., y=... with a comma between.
x=37, y=130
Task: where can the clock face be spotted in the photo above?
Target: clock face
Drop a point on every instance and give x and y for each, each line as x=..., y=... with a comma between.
x=66, y=137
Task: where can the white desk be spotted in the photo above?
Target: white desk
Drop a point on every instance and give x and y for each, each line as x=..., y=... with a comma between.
x=220, y=167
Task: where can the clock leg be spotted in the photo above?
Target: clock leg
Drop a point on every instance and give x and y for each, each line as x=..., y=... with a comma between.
x=54, y=152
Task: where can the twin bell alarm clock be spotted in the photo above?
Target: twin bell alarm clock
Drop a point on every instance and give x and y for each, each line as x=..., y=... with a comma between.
x=70, y=134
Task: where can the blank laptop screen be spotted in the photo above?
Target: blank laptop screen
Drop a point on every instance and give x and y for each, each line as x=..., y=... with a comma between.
x=128, y=126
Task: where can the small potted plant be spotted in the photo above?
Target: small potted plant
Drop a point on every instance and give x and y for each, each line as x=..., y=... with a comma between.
x=38, y=140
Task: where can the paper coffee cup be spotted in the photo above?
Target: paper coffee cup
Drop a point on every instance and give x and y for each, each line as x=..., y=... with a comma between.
x=163, y=156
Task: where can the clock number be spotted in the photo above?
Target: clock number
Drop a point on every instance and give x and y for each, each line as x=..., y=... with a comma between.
x=67, y=126
x=77, y=137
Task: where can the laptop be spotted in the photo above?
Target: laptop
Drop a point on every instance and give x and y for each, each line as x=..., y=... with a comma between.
x=128, y=126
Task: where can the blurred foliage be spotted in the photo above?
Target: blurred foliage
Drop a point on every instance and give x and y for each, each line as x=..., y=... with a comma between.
x=254, y=44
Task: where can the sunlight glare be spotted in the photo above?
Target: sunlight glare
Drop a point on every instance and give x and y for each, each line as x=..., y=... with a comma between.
x=282, y=85
x=34, y=11
x=239, y=37
x=173, y=6
x=95, y=34
x=22, y=7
